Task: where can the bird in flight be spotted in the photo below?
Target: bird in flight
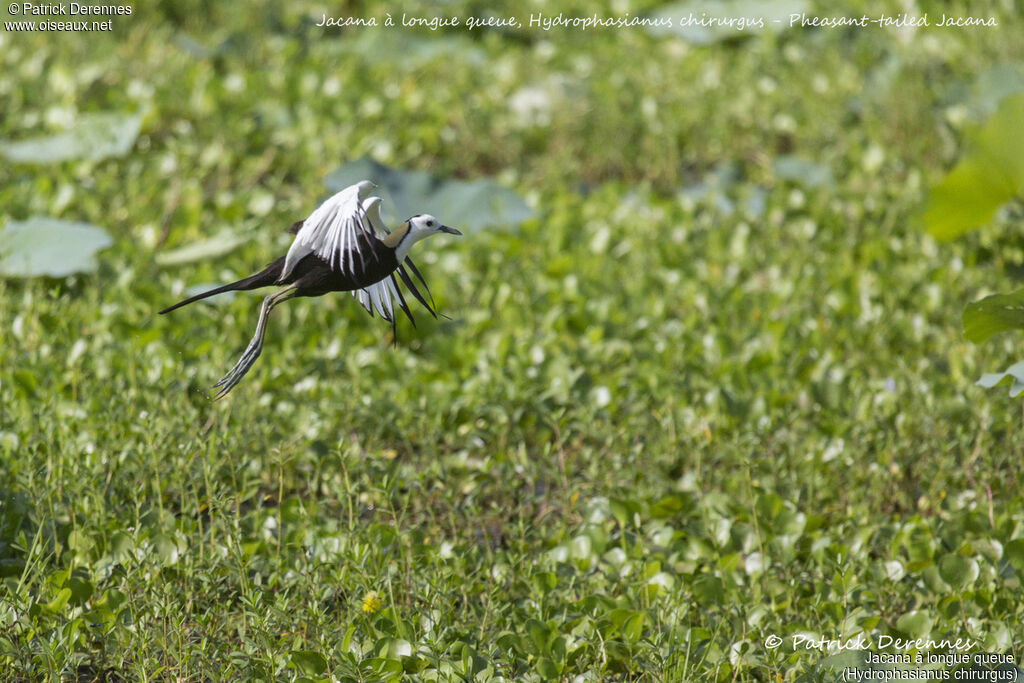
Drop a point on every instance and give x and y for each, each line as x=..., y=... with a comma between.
x=342, y=247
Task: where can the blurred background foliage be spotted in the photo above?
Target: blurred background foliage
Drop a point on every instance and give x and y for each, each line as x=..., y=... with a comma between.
x=712, y=387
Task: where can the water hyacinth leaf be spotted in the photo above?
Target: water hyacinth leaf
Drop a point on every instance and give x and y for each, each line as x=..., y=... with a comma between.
x=464, y=204
x=773, y=13
x=993, y=314
x=1013, y=375
x=989, y=175
x=92, y=136
x=218, y=245
x=49, y=247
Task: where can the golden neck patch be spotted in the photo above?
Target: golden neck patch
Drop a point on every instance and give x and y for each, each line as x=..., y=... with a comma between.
x=396, y=236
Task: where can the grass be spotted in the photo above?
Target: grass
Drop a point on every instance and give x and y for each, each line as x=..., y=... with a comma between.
x=695, y=402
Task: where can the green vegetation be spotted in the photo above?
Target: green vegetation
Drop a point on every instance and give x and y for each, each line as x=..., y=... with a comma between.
x=714, y=389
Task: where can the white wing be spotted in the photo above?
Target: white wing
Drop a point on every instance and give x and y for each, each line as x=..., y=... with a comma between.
x=381, y=295
x=332, y=230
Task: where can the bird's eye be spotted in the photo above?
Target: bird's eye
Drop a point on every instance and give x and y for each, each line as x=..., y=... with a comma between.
x=430, y=224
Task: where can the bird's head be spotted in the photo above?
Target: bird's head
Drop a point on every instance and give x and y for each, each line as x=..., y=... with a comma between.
x=413, y=230
x=425, y=225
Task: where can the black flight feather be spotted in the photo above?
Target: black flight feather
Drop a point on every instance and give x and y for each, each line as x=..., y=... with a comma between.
x=401, y=301
x=416, y=272
x=412, y=288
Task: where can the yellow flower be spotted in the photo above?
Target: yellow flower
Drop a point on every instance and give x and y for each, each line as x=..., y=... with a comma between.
x=372, y=602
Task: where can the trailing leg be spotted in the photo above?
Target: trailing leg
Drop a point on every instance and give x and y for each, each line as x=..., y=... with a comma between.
x=252, y=352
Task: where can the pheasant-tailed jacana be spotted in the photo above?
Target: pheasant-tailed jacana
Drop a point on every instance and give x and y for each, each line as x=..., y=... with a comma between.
x=342, y=247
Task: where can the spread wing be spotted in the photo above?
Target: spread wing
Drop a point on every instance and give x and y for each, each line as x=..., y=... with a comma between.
x=332, y=231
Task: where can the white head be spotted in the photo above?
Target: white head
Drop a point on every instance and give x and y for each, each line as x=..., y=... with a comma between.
x=423, y=225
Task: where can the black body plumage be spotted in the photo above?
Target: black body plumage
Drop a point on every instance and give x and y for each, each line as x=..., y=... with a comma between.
x=311, y=276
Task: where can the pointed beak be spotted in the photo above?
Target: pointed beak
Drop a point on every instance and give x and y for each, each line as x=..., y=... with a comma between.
x=450, y=231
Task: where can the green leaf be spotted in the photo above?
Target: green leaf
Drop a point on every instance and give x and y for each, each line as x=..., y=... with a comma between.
x=92, y=136
x=624, y=511
x=768, y=507
x=1013, y=375
x=166, y=548
x=50, y=247
x=59, y=601
x=1014, y=554
x=413, y=664
x=633, y=627
x=81, y=589
x=509, y=641
x=398, y=648
x=958, y=571
x=464, y=204
x=916, y=624
x=544, y=582
x=991, y=173
x=309, y=662
x=993, y=314
x=25, y=381
x=539, y=633
x=547, y=669
x=218, y=245
x=709, y=590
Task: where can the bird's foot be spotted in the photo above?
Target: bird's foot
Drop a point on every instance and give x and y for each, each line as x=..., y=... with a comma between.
x=235, y=375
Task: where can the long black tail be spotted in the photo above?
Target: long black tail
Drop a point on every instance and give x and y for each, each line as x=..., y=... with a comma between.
x=264, y=278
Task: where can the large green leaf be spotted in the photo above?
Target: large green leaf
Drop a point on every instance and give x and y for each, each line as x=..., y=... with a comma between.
x=51, y=247
x=464, y=204
x=996, y=313
x=989, y=175
x=92, y=136
x=741, y=18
